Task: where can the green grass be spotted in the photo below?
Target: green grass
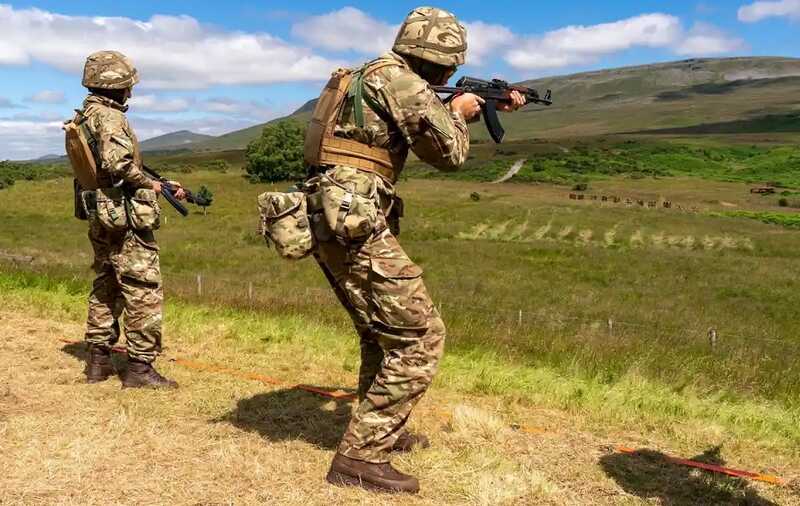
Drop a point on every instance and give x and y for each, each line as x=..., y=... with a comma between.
x=664, y=277
x=782, y=219
x=632, y=400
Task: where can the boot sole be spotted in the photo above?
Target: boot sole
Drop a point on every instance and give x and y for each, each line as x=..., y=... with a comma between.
x=98, y=380
x=345, y=480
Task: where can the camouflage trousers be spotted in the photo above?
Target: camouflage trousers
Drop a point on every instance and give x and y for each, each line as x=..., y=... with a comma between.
x=402, y=338
x=128, y=282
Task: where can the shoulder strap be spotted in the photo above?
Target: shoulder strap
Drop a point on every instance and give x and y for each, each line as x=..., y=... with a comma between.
x=356, y=91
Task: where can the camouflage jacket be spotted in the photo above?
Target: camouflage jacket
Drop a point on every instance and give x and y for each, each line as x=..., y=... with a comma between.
x=117, y=147
x=410, y=116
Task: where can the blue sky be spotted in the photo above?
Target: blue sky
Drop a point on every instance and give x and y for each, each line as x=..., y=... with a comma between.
x=212, y=67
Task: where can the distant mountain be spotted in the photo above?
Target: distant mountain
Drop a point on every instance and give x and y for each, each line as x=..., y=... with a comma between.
x=730, y=95
x=174, y=141
x=49, y=158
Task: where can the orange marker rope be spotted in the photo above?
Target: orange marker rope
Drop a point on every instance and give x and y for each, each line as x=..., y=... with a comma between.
x=774, y=480
x=344, y=395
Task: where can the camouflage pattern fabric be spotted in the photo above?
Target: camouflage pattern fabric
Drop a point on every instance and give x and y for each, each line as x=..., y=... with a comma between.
x=433, y=35
x=110, y=70
x=418, y=120
x=128, y=280
x=402, y=338
x=126, y=262
x=117, y=145
x=402, y=334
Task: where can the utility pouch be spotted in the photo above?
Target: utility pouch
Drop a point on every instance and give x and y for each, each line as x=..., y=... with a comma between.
x=395, y=213
x=144, y=212
x=111, y=209
x=349, y=204
x=284, y=223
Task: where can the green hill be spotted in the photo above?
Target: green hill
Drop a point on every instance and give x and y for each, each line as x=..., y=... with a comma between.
x=173, y=141
x=723, y=95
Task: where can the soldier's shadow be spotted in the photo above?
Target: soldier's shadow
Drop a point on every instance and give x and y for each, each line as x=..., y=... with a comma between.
x=290, y=415
x=650, y=475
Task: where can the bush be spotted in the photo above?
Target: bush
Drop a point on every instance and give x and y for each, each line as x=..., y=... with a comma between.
x=580, y=187
x=783, y=202
x=278, y=154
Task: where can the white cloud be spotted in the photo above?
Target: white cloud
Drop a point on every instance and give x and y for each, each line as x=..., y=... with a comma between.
x=346, y=29
x=25, y=139
x=583, y=44
x=484, y=38
x=241, y=108
x=706, y=40
x=758, y=11
x=170, y=51
x=47, y=97
x=154, y=103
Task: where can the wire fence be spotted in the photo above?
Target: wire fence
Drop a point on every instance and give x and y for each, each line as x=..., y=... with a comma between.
x=261, y=296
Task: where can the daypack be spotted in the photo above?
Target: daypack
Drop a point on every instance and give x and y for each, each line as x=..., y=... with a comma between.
x=79, y=150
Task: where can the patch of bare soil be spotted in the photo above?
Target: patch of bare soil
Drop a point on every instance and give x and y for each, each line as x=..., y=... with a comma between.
x=222, y=439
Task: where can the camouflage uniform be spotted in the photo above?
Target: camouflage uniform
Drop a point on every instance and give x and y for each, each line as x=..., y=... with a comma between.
x=126, y=262
x=402, y=334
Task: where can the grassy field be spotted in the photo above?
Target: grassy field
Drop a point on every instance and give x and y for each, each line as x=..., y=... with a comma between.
x=524, y=273
x=588, y=314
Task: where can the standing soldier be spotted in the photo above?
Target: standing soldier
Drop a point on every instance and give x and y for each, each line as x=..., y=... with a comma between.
x=126, y=258
x=356, y=146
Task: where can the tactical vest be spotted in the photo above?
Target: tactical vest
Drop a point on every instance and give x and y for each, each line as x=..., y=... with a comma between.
x=323, y=148
x=79, y=145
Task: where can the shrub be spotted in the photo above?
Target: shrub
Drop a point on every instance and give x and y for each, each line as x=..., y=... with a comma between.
x=580, y=187
x=783, y=202
x=278, y=154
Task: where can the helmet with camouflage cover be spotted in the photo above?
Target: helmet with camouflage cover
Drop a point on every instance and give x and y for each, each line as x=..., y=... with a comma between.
x=432, y=35
x=109, y=70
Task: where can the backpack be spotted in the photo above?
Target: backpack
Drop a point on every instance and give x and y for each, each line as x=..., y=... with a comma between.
x=79, y=144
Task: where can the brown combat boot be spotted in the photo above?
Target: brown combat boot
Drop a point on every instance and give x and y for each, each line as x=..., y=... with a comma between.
x=98, y=366
x=409, y=441
x=143, y=375
x=376, y=477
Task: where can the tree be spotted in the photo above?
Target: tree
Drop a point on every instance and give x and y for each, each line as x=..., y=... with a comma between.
x=206, y=197
x=278, y=154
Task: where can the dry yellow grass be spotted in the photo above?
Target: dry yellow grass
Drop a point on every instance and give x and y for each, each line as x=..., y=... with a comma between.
x=226, y=440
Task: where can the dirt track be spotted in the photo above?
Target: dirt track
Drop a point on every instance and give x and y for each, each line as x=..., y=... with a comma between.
x=227, y=440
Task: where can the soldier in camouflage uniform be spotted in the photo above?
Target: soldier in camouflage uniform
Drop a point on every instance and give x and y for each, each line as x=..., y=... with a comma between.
x=402, y=334
x=126, y=262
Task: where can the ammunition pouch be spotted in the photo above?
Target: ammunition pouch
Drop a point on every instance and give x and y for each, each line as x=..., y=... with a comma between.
x=144, y=212
x=349, y=204
x=284, y=223
x=110, y=208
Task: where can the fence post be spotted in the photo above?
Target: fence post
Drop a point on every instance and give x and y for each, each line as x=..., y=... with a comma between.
x=610, y=327
x=199, y=285
x=712, y=337
x=250, y=292
x=519, y=321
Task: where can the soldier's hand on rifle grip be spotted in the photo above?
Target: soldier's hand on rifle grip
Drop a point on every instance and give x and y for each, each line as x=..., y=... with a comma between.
x=517, y=101
x=179, y=192
x=157, y=187
x=468, y=104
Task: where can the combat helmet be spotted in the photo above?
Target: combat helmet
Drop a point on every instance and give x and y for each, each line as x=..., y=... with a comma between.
x=432, y=35
x=109, y=70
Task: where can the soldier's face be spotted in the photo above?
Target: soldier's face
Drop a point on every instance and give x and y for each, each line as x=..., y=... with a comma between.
x=128, y=94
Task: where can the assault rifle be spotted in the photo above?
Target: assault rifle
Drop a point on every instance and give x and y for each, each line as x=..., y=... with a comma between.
x=492, y=92
x=168, y=191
